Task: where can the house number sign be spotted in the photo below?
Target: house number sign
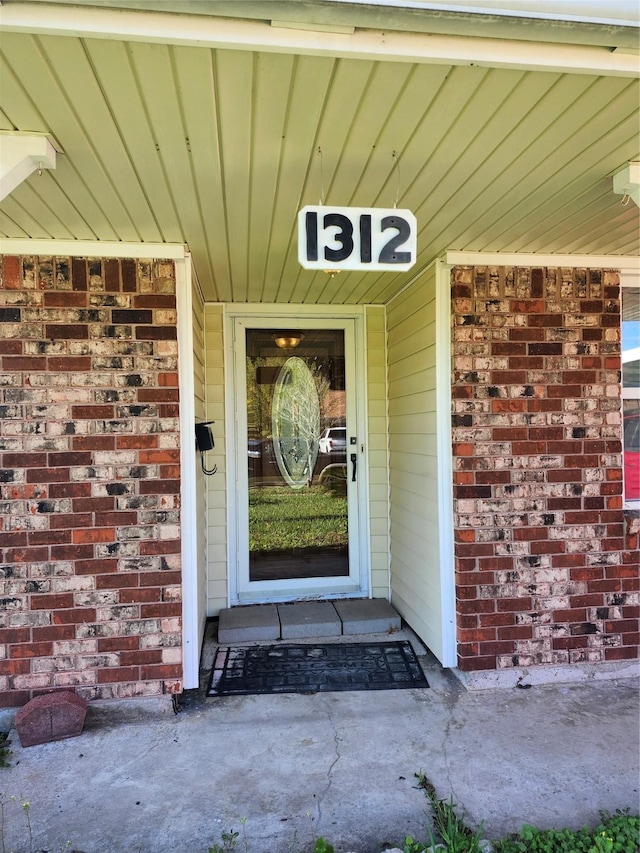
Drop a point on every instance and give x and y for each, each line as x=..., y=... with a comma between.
x=356, y=238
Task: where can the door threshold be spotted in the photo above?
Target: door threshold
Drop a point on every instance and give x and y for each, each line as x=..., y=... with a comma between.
x=307, y=619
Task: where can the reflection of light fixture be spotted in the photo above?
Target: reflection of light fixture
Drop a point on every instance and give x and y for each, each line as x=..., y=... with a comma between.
x=287, y=339
x=332, y=273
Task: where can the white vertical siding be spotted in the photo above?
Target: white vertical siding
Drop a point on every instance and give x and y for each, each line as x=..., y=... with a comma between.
x=200, y=521
x=217, y=590
x=414, y=487
x=376, y=367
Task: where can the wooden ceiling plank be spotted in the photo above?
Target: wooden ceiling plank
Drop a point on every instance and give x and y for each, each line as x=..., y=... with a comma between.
x=31, y=199
x=591, y=200
x=62, y=120
x=485, y=185
x=154, y=69
x=601, y=160
x=113, y=68
x=555, y=163
x=16, y=102
x=307, y=98
x=379, y=183
x=348, y=82
x=359, y=174
x=16, y=212
x=367, y=119
x=611, y=219
x=195, y=72
x=475, y=205
x=48, y=187
x=78, y=80
x=234, y=82
x=485, y=119
x=10, y=229
x=272, y=79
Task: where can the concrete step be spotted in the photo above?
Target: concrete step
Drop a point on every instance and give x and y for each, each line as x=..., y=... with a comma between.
x=260, y=622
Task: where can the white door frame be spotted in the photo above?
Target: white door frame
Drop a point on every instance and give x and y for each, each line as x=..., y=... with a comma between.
x=261, y=316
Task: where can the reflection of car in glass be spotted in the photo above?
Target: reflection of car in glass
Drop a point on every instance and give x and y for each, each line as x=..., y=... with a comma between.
x=262, y=462
x=334, y=440
x=632, y=456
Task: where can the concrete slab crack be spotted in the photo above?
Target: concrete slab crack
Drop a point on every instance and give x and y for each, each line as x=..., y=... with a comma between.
x=320, y=796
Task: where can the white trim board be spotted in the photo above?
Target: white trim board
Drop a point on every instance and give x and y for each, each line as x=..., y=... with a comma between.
x=192, y=597
x=445, y=466
x=516, y=259
x=92, y=249
x=234, y=34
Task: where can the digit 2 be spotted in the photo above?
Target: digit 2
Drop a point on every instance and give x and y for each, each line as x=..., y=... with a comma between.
x=388, y=254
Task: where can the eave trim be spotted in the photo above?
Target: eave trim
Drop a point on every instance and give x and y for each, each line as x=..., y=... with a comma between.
x=92, y=249
x=511, y=259
x=235, y=34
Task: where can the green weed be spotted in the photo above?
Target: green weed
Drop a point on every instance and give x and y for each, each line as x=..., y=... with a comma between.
x=618, y=833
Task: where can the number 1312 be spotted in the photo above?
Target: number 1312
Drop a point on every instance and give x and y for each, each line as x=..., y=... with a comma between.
x=356, y=238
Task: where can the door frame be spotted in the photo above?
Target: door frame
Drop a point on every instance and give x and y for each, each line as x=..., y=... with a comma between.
x=293, y=316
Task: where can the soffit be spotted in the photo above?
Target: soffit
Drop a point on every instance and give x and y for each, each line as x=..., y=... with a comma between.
x=218, y=149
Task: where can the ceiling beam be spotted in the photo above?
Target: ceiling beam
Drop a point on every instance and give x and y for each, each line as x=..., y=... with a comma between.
x=626, y=182
x=93, y=249
x=372, y=44
x=20, y=155
x=517, y=259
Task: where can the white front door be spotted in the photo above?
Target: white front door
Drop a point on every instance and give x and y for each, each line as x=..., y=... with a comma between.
x=298, y=453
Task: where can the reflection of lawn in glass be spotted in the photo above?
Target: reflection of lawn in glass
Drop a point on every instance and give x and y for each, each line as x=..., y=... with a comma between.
x=281, y=518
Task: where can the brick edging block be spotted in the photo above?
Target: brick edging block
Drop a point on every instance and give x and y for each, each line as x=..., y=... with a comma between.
x=51, y=717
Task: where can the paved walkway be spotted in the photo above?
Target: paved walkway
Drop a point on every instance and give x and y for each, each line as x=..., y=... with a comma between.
x=143, y=780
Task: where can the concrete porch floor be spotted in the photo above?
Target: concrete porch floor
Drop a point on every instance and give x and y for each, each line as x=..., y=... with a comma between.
x=141, y=779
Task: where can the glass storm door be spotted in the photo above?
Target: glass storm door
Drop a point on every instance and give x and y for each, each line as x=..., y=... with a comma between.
x=297, y=451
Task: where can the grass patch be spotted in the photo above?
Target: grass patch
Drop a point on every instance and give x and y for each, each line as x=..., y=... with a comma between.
x=5, y=752
x=281, y=518
x=618, y=833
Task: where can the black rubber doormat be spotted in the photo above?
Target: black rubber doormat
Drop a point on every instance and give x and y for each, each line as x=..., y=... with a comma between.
x=300, y=668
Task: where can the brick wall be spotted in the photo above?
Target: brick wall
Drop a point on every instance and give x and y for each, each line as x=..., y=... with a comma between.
x=90, y=580
x=546, y=562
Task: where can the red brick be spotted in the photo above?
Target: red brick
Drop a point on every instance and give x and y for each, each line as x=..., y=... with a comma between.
x=161, y=610
x=49, y=537
x=31, y=650
x=63, y=299
x=151, y=457
x=136, y=442
x=621, y=653
x=96, y=534
x=24, y=460
x=117, y=580
x=41, y=601
x=54, y=632
x=117, y=644
x=74, y=616
x=153, y=671
x=139, y=657
x=158, y=395
x=70, y=490
x=12, y=272
x=48, y=475
x=97, y=412
x=110, y=675
x=154, y=547
x=24, y=362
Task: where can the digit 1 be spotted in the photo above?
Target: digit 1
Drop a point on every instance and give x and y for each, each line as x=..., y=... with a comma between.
x=311, y=225
x=365, y=238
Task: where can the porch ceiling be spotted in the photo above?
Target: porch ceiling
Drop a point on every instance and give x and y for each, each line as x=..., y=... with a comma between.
x=218, y=148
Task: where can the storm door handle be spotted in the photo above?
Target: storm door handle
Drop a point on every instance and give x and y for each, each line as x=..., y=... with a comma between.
x=354, y=463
